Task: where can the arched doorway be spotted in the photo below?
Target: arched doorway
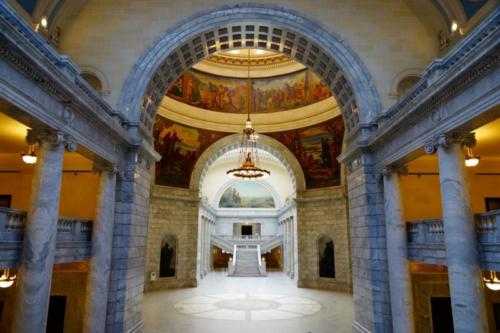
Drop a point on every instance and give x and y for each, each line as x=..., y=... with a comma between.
x=256, y=26
x=226, y=225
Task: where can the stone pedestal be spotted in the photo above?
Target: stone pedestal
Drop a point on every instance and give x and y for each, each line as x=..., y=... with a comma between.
x=35, y=272
x=100, y=261
x=397, y=256
x=466, y=286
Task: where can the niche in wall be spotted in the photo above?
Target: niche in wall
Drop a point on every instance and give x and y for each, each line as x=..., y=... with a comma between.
x=5, y=200
x=168, y=256
x=326, y=257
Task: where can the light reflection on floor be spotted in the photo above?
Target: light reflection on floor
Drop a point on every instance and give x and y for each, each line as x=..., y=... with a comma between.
x=263, y=305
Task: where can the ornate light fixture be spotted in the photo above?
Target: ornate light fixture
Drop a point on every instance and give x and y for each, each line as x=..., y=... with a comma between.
x=30, y=157
x=470, y=159
x=249, y=158
x=492, y=282
x=7, y=280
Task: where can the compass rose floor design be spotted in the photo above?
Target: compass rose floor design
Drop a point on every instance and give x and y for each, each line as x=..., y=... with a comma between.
x=243, y=305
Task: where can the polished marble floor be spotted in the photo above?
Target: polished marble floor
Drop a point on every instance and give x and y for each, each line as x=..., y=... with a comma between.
x=247, y=305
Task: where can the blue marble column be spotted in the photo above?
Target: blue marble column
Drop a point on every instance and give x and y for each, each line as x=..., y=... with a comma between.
x=39, y=245
x=100, y=261
x=462, y=255
x=400, y=285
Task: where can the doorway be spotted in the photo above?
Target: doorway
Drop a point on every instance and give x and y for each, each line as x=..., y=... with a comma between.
x=246, y=230
x=442, y=318
x=57, y=311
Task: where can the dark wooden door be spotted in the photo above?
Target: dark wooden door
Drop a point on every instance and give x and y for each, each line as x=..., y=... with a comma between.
x=57, y=310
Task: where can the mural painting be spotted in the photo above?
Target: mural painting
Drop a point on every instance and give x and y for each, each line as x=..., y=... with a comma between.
x=246, y=194
x=180, y=147
x=317, y=148
x=225, y=94
x=210, y=92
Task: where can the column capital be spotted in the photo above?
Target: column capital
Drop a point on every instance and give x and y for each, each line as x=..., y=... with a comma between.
x=105, y=167
x=53, y=137
x=467, y=139
x=400, y=169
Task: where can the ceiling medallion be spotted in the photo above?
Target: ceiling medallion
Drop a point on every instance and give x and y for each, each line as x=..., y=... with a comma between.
x=249, y=158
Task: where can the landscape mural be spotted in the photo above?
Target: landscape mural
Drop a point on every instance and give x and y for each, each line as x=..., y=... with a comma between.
x=223, y=94
x=246, y=194
x=316, y=148
x=180, y=147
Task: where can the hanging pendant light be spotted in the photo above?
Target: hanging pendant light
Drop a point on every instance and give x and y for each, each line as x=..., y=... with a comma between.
x=492, y=282
x=470, y=159
x=248, y=158
x=6, y=279
x=30, y=157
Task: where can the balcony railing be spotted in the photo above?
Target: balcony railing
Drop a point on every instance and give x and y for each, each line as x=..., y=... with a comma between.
x=426, y=240
x=73, y=238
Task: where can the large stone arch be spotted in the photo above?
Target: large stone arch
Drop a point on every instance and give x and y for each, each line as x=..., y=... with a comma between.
x=231, y=142
x=249, y=25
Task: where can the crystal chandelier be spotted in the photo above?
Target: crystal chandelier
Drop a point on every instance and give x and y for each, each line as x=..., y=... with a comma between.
x=248, y=157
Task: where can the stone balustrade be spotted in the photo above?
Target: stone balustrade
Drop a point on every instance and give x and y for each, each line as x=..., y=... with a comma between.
x=73, y=238
x=426, y=240
x=266, y=243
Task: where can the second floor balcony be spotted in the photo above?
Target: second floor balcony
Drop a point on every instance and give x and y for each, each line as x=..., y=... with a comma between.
x=426, y=240
x=73, y=238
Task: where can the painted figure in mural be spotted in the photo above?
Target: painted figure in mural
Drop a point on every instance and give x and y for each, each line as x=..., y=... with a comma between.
x=326, y=156
x=317, y=148
x=230, y=94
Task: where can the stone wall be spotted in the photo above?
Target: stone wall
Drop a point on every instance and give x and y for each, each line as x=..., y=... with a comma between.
x=108, y=35
x=173, y=211
x=429, y=285
x=69, y=284
x=323, y=212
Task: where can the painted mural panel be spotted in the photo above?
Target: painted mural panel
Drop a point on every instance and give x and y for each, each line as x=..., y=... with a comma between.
x=180, y=147
x=246, y=194
x=223, y=94
x=317, y=148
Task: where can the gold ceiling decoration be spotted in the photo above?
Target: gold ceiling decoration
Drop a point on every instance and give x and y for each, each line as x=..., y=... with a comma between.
x=257, y=58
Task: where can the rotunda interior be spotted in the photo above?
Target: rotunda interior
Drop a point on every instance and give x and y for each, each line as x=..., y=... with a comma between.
x=199, y=167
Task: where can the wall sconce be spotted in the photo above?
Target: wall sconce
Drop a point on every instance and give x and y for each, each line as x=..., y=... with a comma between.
x=470, y=159
x=30, y=157
x=492, y=282
x=44, y=22
x=7, y=280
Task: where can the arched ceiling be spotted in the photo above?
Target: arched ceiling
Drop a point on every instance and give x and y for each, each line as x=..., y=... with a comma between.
x=278, y=96
x=431, y=12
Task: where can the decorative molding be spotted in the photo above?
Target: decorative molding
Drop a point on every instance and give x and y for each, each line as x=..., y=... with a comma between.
x=99, y=167
x=445, y=140
x=53, y=137
x=394, y=169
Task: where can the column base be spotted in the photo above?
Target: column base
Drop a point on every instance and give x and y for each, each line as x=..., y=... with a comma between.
x=358, y=328
x=138, y=328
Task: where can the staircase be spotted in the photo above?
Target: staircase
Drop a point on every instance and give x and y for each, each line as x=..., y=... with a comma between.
x=247, y=263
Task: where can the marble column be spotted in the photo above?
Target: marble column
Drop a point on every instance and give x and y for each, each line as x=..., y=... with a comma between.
x=288, y=241
x=96, y=297
x=400, y=285
x=39, y=245
x=462, y=255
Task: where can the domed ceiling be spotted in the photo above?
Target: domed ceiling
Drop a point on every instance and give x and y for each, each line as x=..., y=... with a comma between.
x=280, y=93
x=287, y=102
